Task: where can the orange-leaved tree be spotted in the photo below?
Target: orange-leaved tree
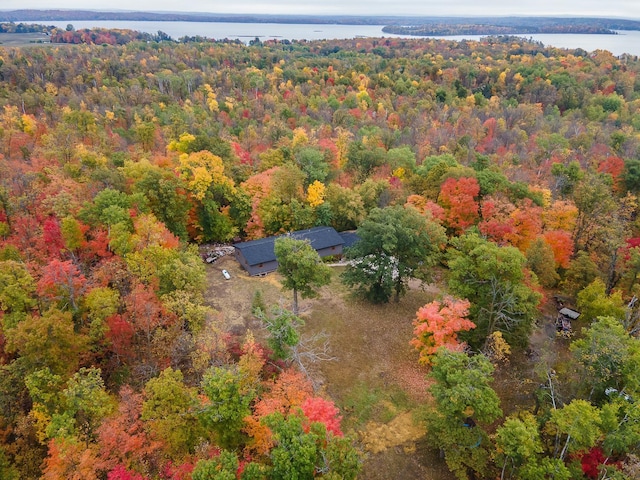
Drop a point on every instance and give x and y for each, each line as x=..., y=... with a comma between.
x=458, y=197
x=437, y=325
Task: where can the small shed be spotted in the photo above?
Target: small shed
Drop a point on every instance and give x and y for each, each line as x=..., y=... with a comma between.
x=564, y=318
x=258, y=257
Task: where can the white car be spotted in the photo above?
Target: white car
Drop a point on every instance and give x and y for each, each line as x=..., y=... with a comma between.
x=226, y=275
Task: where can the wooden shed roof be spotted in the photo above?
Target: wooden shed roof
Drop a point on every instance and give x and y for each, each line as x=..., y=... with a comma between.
x=567, y=312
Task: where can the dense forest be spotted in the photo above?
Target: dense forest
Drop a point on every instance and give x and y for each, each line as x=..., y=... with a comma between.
x=508, y=168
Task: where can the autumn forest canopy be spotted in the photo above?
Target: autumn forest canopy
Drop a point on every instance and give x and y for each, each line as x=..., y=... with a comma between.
x=504, y=170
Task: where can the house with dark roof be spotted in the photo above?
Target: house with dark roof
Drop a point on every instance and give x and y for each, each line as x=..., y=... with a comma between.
x=350, y=238
x=257, y=256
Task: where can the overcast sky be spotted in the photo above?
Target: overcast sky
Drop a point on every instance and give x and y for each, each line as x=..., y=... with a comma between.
x=605, y=8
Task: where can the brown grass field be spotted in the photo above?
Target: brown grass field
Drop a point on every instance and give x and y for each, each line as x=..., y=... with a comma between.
x=375, y=378
x=23, y=39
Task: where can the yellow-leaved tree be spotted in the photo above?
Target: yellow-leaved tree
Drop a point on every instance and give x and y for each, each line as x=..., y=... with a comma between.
x=316, y=193
x=212, y=192
x=202, y=170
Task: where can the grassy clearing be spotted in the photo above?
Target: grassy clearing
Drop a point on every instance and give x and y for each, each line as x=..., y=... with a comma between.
x=363, y=404
x=371, y=342
x=375, y=378
x=23, y=39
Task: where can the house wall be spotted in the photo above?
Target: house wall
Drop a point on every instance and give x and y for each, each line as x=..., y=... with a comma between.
x=255, y=269
x=261, y=268
x=325, y=252
x=241, y=260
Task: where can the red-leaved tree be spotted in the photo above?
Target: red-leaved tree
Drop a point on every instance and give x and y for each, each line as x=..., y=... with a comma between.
x=284, y=394
x=437, y=325
x=62, y=282
x=458, y=197
x=52, y=237
x=121, y=473
x=70, y=460
x=317, y=409
x=562, y=246
x=123, y=441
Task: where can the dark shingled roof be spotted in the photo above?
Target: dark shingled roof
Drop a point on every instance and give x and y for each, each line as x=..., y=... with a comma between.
x=261, y=251
x=349, y=238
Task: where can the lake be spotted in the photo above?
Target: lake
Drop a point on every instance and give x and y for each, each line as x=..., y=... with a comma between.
x=625, y=42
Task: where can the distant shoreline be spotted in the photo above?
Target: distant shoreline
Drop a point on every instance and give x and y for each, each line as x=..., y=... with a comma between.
x=432, y=25
x=444, y=30
x=625, y=42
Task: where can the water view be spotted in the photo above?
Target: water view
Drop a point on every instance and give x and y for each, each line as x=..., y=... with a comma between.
x=624, y=42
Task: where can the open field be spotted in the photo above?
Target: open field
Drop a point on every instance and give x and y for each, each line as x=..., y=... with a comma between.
x=23, y=39
x=375, y=377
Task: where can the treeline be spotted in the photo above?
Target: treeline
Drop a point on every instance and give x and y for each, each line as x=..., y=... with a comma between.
x=487, y=29
x=519, y=22
x=94, y=36
x=117, y=160
x=24, y=28
x=104, y=36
